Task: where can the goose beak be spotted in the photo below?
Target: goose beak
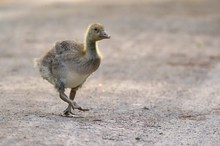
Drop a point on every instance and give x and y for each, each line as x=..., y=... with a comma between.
x=104, y=35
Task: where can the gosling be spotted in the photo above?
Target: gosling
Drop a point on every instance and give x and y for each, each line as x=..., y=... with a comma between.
x=68, y=64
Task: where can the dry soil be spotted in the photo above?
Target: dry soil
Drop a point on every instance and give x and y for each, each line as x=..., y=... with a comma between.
x=158, y=84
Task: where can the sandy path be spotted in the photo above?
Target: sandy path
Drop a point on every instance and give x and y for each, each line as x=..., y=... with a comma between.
x=158, y=84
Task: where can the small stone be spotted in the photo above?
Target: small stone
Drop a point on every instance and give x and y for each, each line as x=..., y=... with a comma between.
x=137, y=138
x=97, y=120
x=145, y=108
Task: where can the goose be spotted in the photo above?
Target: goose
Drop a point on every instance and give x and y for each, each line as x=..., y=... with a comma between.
x=68, y=64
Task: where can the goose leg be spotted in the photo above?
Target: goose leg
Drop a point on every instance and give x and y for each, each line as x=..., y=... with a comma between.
x=72, y=97
x=70, y=101
x=68, y=111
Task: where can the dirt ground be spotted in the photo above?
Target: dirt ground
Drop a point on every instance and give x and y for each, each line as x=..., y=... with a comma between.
x=158, y=84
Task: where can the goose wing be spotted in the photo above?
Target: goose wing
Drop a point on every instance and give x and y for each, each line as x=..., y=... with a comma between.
x=68, y=55
x=68, y=47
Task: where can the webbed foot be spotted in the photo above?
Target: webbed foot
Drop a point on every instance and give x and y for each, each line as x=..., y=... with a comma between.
x=79, y=107
x=68, y=113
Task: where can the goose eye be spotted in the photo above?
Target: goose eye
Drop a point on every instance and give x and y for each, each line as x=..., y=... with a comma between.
x=96, y=29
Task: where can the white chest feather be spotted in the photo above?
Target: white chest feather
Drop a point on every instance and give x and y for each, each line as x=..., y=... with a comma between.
x=74, y=79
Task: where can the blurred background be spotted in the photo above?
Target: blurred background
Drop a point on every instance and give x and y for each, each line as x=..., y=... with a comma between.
x=158, y=82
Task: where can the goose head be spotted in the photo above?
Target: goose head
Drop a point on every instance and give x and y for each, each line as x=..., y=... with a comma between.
x=96, y=32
